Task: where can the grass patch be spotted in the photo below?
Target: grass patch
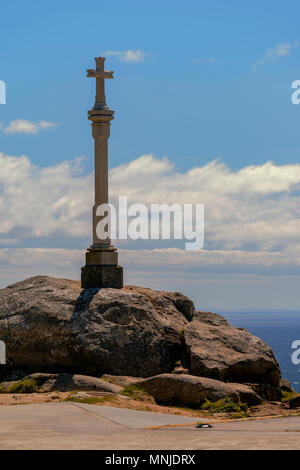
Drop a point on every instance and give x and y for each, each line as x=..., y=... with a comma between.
x=136, y=393
x=24, y=386
x=132, y=391
x=242, y=414
x=224, y=405
x=286, y=396
x=147, y=408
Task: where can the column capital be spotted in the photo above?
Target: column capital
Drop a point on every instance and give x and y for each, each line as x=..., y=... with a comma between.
x=103, y=115
x=100, y=130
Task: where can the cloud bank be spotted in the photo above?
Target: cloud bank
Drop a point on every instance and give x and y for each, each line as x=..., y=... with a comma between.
x=256, y=208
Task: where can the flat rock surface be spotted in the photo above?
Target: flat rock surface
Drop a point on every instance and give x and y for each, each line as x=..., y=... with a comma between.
x=121, y=380
x=186, y=390
x=63, y=383
x=69, y=426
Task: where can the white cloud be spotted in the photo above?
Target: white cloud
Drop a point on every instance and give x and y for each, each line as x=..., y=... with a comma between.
x=41, y=202
x=23, y=126
x=281, y=50
x=256, y=207
x=132, y=56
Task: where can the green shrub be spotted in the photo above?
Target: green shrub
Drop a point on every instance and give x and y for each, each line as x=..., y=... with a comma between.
x=134, y=392
x=242, y=414
x=243, y=406
x=224, y=405
x=24, y=386
x=286, y=396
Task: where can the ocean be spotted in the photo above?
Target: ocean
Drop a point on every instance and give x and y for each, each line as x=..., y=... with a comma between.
x=279, y=330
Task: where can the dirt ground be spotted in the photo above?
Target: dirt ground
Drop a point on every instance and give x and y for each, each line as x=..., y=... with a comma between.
x=143, y=404
x=25, y=398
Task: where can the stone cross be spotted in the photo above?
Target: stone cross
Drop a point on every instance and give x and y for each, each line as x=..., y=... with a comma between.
x=100, y=74
x=101, y=269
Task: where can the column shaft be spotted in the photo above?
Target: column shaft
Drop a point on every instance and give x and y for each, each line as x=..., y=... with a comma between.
x=101, y=133
x=101, y=170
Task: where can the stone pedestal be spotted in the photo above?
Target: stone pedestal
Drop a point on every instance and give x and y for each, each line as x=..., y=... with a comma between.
x=101, y=269
x=99, y=275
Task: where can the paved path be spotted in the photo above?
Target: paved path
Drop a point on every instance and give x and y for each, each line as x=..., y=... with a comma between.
x=77, y=426
x=136, y=419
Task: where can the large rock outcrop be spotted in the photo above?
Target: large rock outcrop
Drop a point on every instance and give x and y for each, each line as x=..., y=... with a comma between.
x=52, y=325
x=217, y=349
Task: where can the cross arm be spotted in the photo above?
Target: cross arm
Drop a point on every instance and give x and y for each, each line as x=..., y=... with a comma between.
x=90, y=73
x=109, y=74
x=99, y=74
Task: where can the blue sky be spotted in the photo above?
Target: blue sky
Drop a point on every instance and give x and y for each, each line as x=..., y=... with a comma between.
x=175, y=102
x=211, y=80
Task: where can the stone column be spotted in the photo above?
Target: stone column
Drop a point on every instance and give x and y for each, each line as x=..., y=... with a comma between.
x=101, y=269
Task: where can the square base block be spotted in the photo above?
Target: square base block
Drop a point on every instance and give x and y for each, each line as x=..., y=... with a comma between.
x=98, y=276
x=102, y=257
